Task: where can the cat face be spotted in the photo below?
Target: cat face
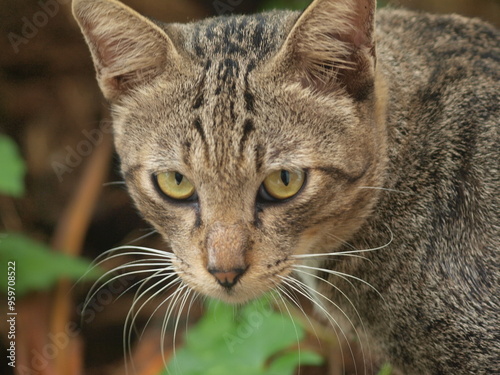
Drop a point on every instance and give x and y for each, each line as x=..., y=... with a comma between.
x=240, y=142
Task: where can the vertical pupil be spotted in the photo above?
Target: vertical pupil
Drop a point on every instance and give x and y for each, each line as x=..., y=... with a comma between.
x=178, y=178
x=285, y=177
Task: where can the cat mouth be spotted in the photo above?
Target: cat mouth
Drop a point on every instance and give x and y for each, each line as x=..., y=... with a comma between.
x=234, y=286
x=228, y=279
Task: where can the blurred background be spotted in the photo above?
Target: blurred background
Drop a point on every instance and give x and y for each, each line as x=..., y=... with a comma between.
x=50, y=106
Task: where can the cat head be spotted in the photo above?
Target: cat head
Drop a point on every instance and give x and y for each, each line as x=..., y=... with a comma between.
x=244, y=140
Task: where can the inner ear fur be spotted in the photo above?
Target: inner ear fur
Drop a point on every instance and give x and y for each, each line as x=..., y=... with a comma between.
x=127, y=49
x=332, y=47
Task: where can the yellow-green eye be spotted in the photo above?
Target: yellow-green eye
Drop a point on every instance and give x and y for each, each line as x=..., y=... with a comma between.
x=284, y=184
x=175, y=185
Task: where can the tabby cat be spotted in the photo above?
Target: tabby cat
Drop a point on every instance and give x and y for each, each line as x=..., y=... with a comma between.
x=325, y=152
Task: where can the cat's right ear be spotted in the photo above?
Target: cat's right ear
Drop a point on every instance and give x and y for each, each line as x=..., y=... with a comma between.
x=128, y=49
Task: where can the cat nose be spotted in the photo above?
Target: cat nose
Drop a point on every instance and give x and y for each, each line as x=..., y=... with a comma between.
x=227, y=279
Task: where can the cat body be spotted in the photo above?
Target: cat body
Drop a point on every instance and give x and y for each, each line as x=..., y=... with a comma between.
x=439, y=276
x=389, y=130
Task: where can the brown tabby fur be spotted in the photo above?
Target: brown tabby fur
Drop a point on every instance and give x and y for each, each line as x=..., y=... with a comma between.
x=395, y=125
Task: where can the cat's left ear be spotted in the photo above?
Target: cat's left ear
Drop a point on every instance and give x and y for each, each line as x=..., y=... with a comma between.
x=331, y=47
x=128, y=49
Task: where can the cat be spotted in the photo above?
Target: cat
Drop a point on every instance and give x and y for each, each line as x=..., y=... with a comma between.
x=325, y=151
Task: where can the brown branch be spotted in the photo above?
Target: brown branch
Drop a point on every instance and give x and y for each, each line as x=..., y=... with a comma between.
x=68, y=238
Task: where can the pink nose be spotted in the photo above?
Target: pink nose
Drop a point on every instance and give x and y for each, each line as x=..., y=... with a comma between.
x=227, y=279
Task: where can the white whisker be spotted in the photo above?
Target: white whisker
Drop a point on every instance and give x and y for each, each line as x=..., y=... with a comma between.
x=132, y=314
x=156, y=265
x=164, y=327
x=103, y=258
x=386, y=189
x=300, y=256
x=299, y=306
x=331, y=319
x=187, y=292
x=307, y=289
x=154, y=231
x=341, y=274
x=336, y=288
x=92, y=293
x=138, y=296
x=290, y=314
x=194, y=296
x=131, y=264
x=343, y=242
x=144, y=251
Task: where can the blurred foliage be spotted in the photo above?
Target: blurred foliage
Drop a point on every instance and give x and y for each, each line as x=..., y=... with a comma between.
x=488, y=10
x=37, y=266
x=385, y=370
x=299, y=4
x=287, y=4
x=12, y=168
x=252, y=340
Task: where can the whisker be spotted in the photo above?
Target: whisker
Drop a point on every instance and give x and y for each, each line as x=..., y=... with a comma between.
x=106, y=184
x=336, y=288
x=107, y=273
x=93, y=291
x=187, y=292
x=154, y=231
x=158, y=264
x=132, y=314
x=299, y=306
x=128, y=327
x=296, y=268
x=276, y=302
x=138, y=296
x=330, y=318
x=300, y=256
x=317, y=255
x=386, y=189
x=290, y=314
x=340, y=274
x=103, y=258
x=106, y=256
x=194, y=296
x=307, y=289
x=144, y=251
x=343, y=242
x=164, y=327
x=157, y=273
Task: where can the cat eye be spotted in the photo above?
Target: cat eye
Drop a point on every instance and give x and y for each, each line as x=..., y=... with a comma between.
x=175, y=185
x=283, y=184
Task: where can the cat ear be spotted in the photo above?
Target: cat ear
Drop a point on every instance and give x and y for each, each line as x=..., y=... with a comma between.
x=332, y=46
x=127, y=48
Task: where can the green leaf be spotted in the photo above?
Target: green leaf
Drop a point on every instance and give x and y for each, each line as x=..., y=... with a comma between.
x=230, y=340
x=12, y=168
x=385, y=370
x=37, y=267
x=382, y=3
x=300, y=4
x=287, y=363
x=286, y=4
